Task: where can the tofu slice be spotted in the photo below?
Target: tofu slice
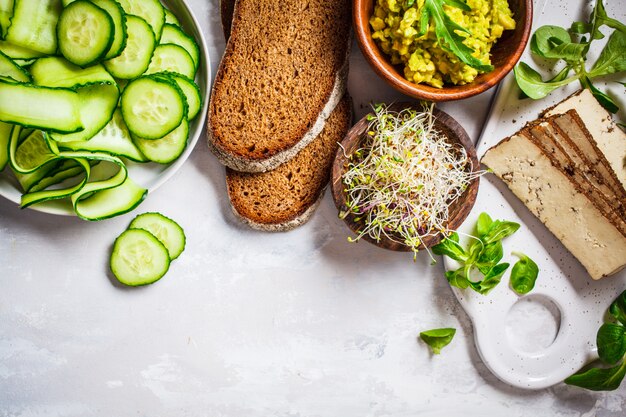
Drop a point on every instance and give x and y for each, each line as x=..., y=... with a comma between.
x=557, y=201
x=557, y=148
x=606, y=135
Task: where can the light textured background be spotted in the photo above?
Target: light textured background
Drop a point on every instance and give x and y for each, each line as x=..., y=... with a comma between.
x=302, y=324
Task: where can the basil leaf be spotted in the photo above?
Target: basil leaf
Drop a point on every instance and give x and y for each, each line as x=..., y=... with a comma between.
x=611, y=340
x=446, y=32
x=599, y=379
x=618, y=308
x=524, y=274
x=581, y=27
x=599, y=18
x=500, y=229
x=458, y=278
x=492, y=278
x=531, y=83
x=451, y=248
x=540, y=42
x=569, y=51
x=612, y=59
x=491, y=253
x=482, y=225
x=437, y=339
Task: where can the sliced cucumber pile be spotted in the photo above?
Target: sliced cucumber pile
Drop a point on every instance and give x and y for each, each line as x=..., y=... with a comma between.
x=84, y=83
x=142, y=253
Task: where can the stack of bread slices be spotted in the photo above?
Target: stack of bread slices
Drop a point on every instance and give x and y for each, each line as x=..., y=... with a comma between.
x=568, y=169
x=279, y=106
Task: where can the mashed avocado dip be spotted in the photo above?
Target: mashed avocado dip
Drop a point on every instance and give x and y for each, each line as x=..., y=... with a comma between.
x=396, y=26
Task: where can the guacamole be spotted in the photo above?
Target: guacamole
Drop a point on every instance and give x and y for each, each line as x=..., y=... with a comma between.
x=396, y=27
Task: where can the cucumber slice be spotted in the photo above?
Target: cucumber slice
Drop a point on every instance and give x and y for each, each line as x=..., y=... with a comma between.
x=85, y=33
x=27, y=181
x=17, y=52
x=191, y=91
x=135, y=58
x=8, y=68
x=55, y=109
x=34, y=197
x=33, y=25
x=149, y=10
x=5, y=135
x=114, y=138
x=166, y=149
x=138, y=258
x=108, y=202
x=152, y=107
x=118, y=16
x=6, y=12
x=97, y=92
x=171, y=17
x=174, y=58
x=32, y=153
x=166, y=230
x=59, y=173
x=57, y=72
x=174, y=34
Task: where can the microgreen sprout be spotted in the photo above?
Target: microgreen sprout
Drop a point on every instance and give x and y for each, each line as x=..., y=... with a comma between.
x=401, y=181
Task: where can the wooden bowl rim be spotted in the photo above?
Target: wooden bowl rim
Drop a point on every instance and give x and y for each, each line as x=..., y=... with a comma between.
x=349, y=144
x=381, y=65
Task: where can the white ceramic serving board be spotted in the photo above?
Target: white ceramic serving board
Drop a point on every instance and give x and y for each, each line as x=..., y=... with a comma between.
x=537, y=340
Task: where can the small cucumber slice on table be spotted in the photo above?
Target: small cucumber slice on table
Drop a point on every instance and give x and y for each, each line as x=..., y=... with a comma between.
x=85, y=33
x=166, y=149
x=174, y=34
x=166, y=230
x=149, y=10
x=174, y=58
x=138, y=258
x=118, y=16
x=152, y=107
x=55, y=109
x=33, y=25
x=135, y=58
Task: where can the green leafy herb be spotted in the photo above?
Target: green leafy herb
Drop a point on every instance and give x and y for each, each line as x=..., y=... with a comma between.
x=437, y=339
x=611, y=341
x=524, y=274
x=482, y=255
x=446, y=31
x=554, y=42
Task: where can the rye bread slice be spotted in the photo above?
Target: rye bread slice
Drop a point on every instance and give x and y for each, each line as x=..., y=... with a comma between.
x=282, y=74
x=227, y=8
x=285, y=198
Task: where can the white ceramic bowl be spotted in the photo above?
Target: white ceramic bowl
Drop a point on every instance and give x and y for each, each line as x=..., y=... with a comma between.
x=148, y=175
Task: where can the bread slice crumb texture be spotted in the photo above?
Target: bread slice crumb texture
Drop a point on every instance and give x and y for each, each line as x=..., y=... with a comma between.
x=285, y=197
x=279, y=71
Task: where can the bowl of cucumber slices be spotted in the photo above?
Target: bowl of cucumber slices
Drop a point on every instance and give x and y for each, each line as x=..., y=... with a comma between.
x=101, y=102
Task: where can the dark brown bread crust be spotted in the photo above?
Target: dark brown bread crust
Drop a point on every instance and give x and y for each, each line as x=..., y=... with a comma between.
x=284, y=198
x=227, y=8
x=282, y=66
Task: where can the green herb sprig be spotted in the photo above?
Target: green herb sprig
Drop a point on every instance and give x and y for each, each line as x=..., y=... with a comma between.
x=611, y=341
x=554, y=42
x=437, y=339
x=524, y=274
x=484, y=254
x=446, y=30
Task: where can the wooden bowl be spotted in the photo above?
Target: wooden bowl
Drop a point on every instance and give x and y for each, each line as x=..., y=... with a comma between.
x=458, y=210
x=504, y=55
